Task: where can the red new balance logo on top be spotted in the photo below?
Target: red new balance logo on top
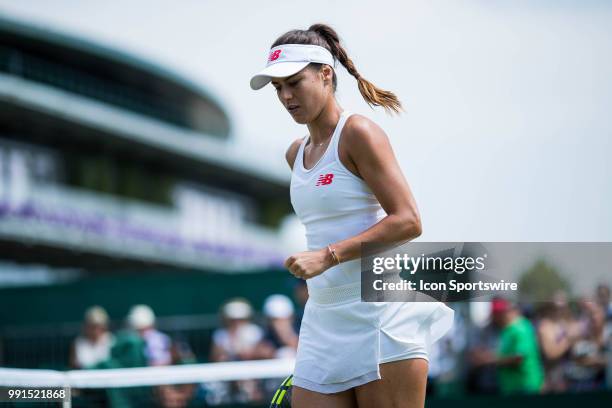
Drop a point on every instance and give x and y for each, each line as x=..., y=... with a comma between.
x=274, y=55
x=325, y=179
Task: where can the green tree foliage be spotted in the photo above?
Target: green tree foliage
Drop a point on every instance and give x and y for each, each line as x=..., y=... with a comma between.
x=541, y=281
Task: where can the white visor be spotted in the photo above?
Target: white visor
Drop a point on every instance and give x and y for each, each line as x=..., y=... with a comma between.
x=288, y=59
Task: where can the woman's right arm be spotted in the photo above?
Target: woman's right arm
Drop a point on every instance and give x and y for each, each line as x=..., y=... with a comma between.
x=291, y=153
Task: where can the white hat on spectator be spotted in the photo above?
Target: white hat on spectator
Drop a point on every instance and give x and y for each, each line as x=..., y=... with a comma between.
x=237, y=308
x=96, y=315
x=140, y=317
x=278, y=307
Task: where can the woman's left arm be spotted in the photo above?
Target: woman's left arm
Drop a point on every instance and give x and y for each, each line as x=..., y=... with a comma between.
x=370, y=151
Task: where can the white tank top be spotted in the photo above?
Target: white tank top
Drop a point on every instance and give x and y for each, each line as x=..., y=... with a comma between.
x=333, y=204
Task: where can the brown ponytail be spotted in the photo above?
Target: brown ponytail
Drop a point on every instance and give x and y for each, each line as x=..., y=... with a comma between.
x=325, y=36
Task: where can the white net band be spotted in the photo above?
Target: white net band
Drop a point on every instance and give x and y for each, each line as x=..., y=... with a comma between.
x=147, y=376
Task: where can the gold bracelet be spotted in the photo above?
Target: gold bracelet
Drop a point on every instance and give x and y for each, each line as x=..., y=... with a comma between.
x=333, y=254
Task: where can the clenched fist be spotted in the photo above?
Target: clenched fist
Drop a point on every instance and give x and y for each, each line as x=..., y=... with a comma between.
x=308, y=264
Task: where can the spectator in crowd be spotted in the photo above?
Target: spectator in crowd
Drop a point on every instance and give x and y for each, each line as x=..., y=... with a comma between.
x=94, y=344
x=519, y=367
x=236, y=340
x=556, y=328
x=158, y=345
x=603, y=299
x=159, y=349
x=444, y=357
x=482, y=343
x=280, y=339
x=586, y=369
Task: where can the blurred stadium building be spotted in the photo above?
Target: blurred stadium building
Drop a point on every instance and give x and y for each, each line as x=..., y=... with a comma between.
x=112, y=169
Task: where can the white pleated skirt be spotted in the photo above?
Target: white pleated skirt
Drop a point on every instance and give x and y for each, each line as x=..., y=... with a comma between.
x=343, y=340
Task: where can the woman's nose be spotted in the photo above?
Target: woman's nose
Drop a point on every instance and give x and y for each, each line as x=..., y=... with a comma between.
x=285, y=94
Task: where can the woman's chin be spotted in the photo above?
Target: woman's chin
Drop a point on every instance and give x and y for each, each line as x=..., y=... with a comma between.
x=299, y=119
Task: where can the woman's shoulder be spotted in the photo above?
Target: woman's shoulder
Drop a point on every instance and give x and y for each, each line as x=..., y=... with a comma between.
x=292, y=150
x=362, y=139
x=360, y=128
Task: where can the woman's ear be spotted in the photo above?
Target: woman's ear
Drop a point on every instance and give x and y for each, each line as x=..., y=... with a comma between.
x=328, y=73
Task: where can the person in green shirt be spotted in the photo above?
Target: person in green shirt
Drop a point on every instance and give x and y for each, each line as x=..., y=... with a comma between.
x=518, y=361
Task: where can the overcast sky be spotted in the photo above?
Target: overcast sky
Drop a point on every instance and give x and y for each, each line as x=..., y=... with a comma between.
x=507, y=133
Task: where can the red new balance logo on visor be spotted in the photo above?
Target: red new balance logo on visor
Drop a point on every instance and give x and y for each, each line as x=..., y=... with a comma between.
x=325, y=179
x=274, y=55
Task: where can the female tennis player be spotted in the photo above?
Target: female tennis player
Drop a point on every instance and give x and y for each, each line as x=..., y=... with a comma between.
x=347, y=188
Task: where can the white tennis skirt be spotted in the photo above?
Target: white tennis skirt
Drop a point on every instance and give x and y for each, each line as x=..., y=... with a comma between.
x=343, y=340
